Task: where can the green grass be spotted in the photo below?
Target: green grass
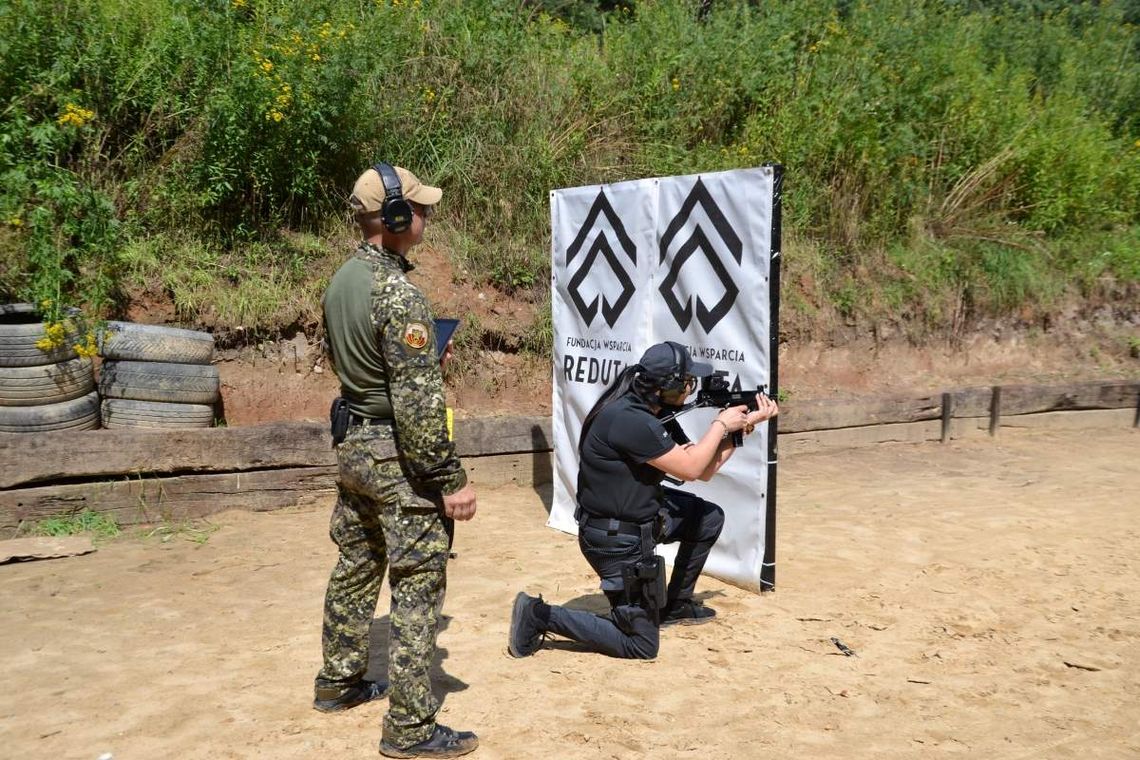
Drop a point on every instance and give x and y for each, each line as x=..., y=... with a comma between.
x=99, y=525
x=103, y=527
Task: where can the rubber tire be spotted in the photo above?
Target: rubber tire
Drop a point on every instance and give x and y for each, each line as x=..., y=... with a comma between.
x=78, y=414
x=20, y=328
x=127, y=413
x=46, y=384
x=127, y=341
x=160, y=381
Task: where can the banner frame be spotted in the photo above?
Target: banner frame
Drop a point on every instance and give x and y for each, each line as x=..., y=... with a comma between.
x=768, y=563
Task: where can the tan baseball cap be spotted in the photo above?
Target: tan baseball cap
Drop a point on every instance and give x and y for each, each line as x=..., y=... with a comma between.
x=368, y=192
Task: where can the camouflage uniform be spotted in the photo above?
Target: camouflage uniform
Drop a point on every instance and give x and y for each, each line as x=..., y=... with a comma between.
x=389, y=513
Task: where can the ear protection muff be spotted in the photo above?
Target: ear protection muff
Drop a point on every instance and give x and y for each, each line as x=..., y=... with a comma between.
x=675, y=381
x=395, y=212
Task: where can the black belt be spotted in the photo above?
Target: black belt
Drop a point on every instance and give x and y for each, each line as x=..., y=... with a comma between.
x=356, y=419
x=613, y=526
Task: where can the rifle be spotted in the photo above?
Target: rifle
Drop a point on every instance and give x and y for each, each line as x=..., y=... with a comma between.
x=715, y=392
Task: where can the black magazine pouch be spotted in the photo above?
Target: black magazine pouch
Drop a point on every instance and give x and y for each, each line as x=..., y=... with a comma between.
x=338, y=419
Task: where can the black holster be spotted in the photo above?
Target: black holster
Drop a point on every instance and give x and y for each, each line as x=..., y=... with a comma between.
x=338, y=420
x=644, y=580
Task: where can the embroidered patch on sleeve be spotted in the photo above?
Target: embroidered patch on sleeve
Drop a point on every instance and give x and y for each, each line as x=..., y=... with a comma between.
x=416, y=335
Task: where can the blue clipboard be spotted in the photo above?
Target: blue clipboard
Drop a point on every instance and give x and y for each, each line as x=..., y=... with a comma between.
x=444, y=329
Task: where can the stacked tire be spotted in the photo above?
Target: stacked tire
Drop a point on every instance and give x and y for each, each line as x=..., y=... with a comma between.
x=157, y=377
x=42, y=390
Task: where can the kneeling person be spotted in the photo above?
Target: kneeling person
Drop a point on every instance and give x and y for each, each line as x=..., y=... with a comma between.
x=625, y=451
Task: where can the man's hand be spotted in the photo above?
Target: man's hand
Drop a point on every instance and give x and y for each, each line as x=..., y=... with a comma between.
x=461, y=504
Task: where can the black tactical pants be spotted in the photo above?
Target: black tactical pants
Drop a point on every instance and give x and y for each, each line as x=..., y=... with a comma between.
x=628, y=630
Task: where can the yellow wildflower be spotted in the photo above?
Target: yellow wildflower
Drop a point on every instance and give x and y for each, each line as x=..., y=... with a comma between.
x=676, y=83
x=15, y=221
x=75, y=116
x=55, y=335
x=87, y=348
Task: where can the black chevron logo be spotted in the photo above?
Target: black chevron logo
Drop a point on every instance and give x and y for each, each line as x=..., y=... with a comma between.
x=712, y=237
x=607, y=237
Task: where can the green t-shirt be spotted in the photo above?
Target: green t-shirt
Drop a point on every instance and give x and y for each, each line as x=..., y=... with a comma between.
x=382, y=338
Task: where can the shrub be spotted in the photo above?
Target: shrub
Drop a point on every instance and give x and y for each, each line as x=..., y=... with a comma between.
x=220, y=130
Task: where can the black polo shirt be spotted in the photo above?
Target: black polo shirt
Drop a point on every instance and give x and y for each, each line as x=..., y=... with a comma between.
x=613, y=477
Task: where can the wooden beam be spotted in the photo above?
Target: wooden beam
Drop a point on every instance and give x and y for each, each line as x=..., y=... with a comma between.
x=184, y=497
x=93, y=454
x=972, y=402
x=1033, y=399
x=831, y=414
x=481, y=436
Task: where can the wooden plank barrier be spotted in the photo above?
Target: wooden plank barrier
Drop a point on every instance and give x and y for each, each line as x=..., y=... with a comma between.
x=93, y=454
x=132, y=500
x=144, y=476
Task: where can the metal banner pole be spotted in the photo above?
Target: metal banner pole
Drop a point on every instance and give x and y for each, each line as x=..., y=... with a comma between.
x=768, y=567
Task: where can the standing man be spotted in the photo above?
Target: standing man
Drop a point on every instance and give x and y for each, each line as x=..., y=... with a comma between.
x=390, y=513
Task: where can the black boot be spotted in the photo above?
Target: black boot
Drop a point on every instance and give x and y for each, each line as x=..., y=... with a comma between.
x=444, y=742
x=526, y=632
x=687, y=612
x=336, y=698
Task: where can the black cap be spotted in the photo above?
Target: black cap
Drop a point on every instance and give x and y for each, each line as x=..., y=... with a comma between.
x=669, y=358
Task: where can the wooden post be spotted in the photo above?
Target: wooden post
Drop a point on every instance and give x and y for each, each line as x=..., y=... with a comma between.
x=995, y=410
x=1136, y=419
x=947, y=414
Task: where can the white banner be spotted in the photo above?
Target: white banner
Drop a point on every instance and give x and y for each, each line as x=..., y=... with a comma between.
x=678, y=258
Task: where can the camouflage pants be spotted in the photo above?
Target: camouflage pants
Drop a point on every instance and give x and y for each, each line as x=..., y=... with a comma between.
x=379, y=523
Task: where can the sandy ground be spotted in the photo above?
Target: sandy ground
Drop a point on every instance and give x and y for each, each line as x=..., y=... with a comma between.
x=987, y=587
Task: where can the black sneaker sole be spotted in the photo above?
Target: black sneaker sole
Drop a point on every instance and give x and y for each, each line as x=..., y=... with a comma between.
x=688, y=621
x=332, y=707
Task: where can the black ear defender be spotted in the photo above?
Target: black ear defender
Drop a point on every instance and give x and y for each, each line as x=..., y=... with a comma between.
x=675, y=381
x=395, y=212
